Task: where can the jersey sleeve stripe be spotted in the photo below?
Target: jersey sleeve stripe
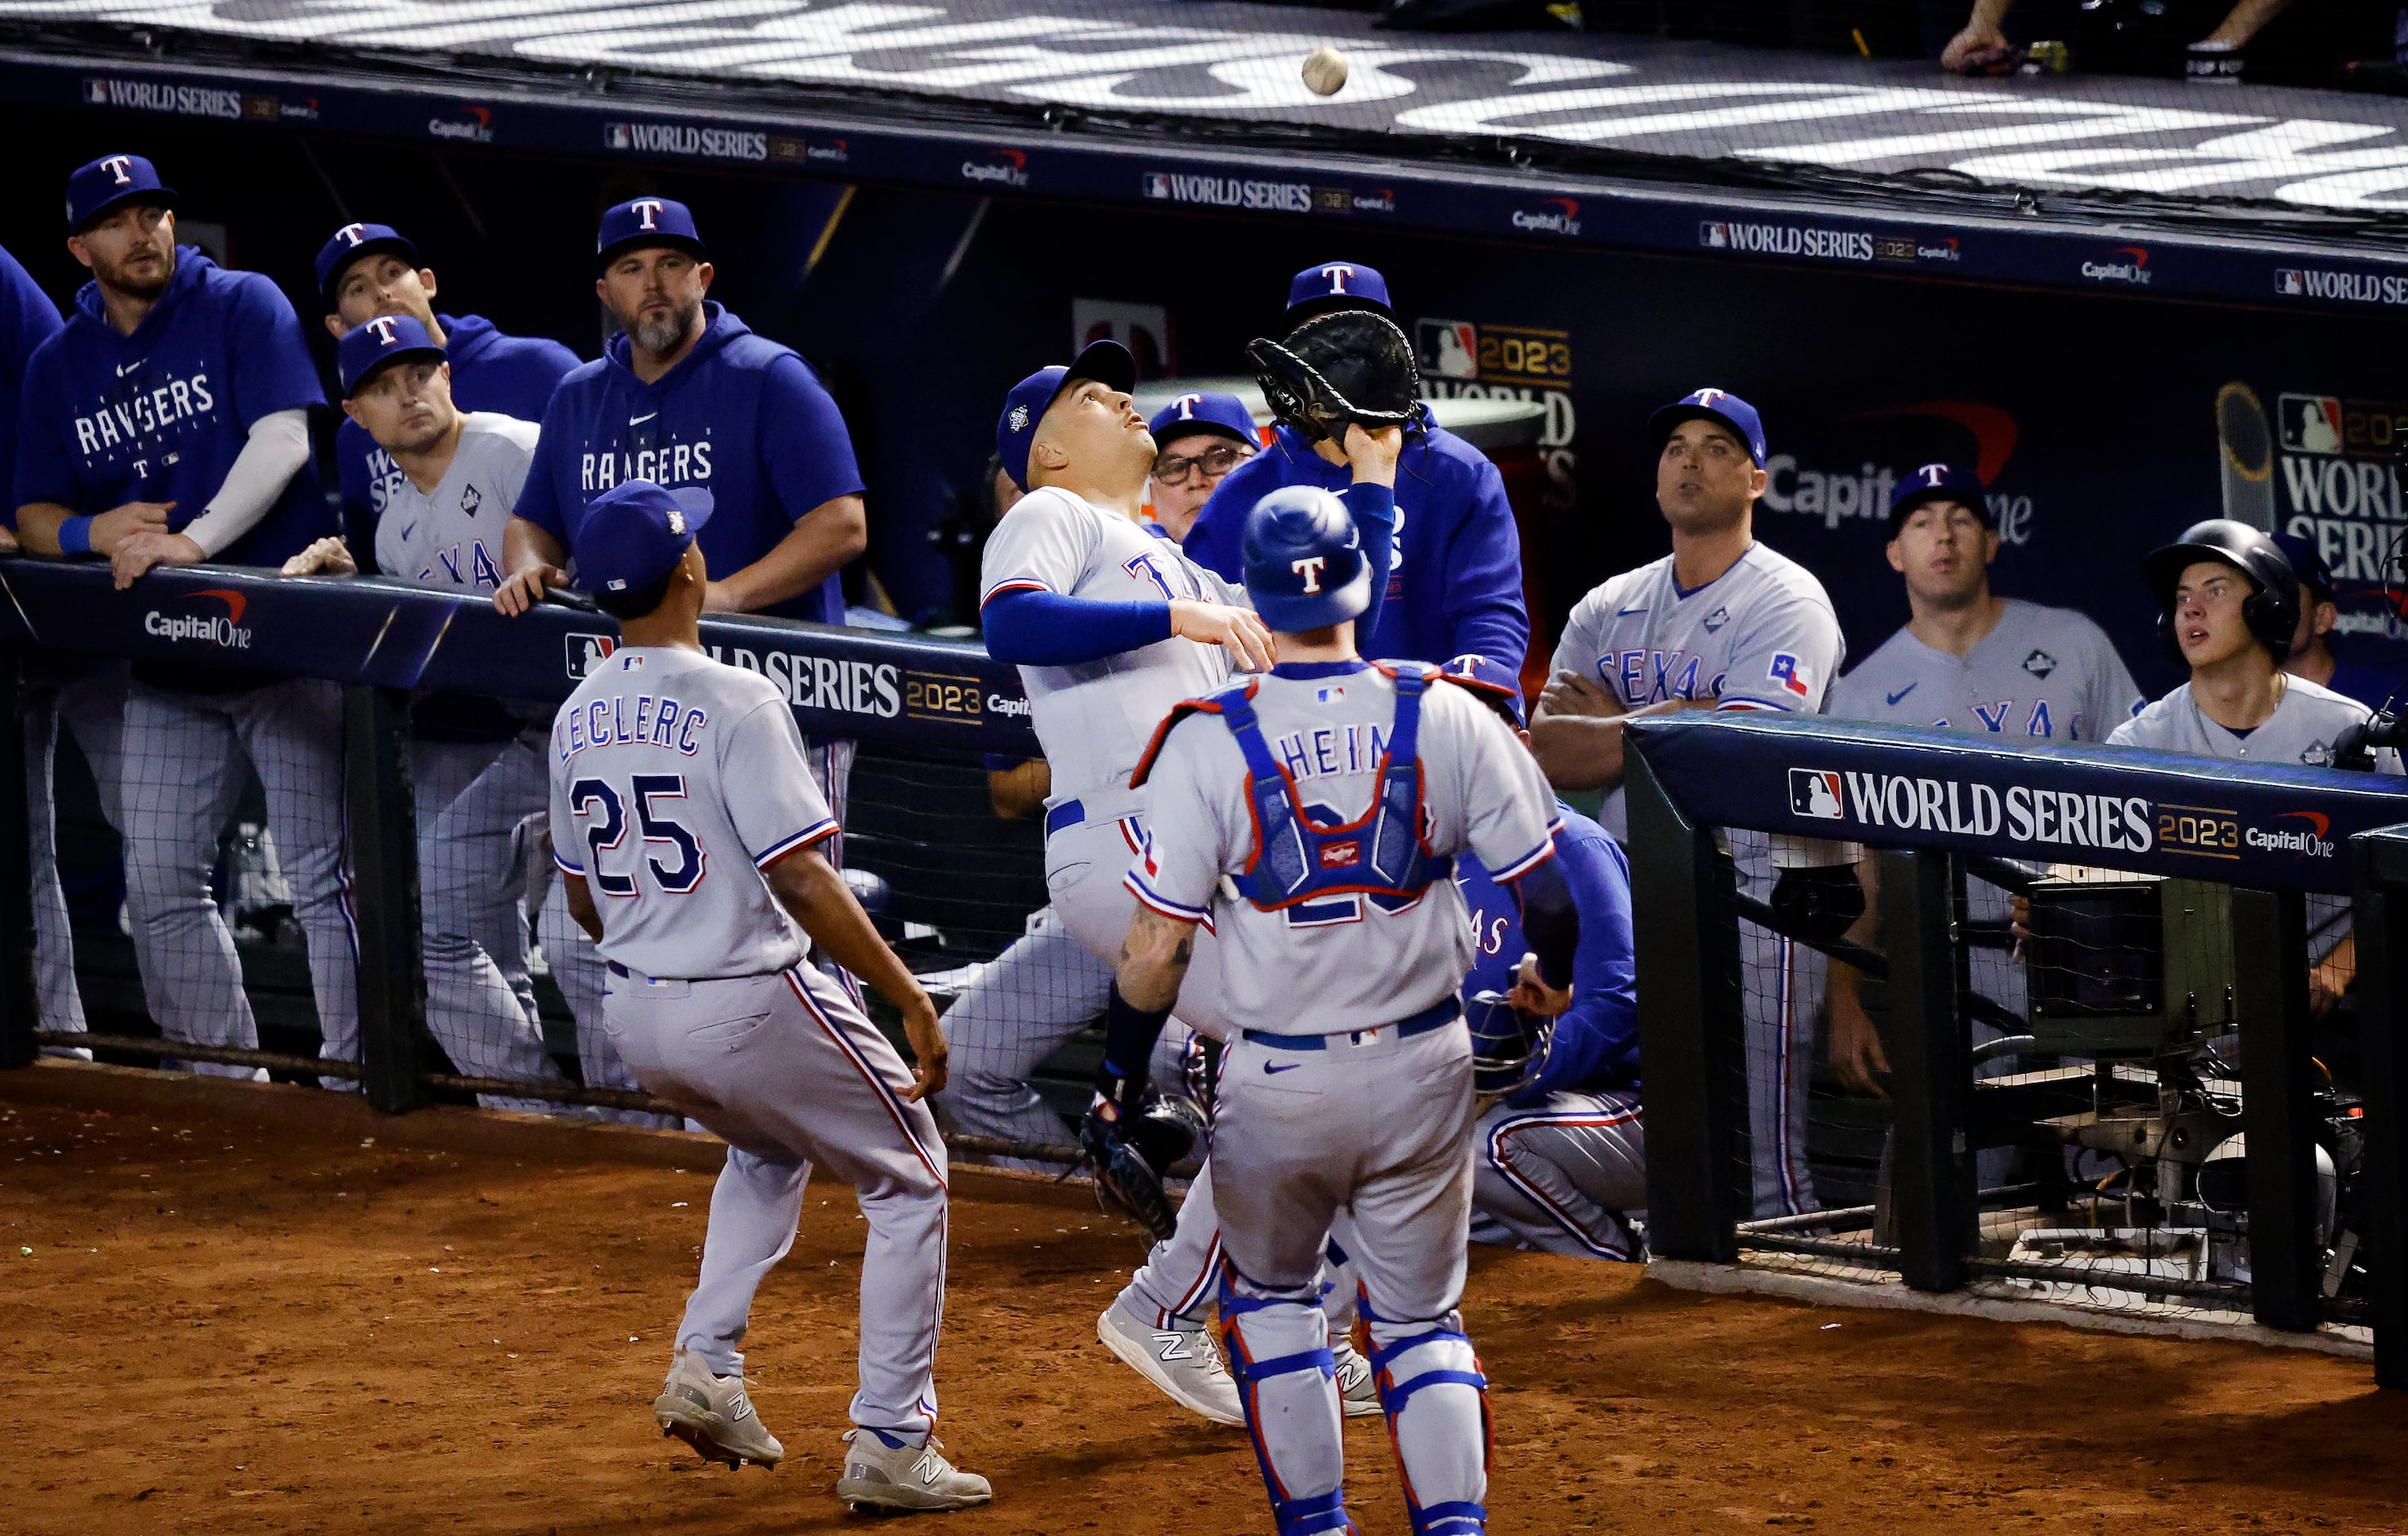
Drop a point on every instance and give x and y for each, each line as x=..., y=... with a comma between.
x=566, y=868
x=1527, y=861
x=1162, y=904
x=1018, y=584
x=802, y=839
x=1754, y=704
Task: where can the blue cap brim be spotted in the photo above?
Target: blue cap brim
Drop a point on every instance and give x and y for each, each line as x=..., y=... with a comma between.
x=435, y=353
x=1664, y=419
x=616, y=249
x=164, y=197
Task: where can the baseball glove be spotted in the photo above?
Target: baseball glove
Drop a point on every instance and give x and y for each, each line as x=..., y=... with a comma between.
x=1129, y=1155
x=1350, y=366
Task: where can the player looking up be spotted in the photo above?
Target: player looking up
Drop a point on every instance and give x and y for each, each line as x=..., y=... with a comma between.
x=367, y=270
x=1456, y=577
x=169, y=423
x=1721, y=623
x=476, y=769
x=1198, y=439
x=1972, y=661
x=1347, y=1087
x=703, y=918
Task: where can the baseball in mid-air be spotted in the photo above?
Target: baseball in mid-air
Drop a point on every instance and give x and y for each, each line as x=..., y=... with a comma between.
x=1325, y=70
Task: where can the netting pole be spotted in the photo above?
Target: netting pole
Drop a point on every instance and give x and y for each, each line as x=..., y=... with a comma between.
x=384, y=862
x=2380, y=919
x=1931, y=1193
x=20, y=1003
x=1690, y=1034
x=2278, y=1104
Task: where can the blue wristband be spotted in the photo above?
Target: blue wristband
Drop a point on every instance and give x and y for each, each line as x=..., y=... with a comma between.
x=75, y=535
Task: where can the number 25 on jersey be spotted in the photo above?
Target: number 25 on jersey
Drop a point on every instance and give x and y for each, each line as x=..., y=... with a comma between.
x=602, y=811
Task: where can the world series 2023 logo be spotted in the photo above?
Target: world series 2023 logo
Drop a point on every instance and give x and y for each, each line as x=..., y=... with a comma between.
x=2023, y=814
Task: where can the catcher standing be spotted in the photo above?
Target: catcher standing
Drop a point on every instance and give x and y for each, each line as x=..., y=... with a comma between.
x=1347, y=1084
x=686, y=824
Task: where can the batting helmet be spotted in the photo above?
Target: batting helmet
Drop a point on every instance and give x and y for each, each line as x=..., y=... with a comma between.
x=1508, y=1046
x=2272, y=612
x=1305, y=566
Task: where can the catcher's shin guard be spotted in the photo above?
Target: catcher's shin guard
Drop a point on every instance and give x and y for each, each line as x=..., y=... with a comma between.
x=1431, y=1450
x=1314, y=1456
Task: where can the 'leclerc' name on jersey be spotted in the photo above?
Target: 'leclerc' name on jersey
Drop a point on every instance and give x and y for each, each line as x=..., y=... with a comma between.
x=127, y=422
x=671, y=463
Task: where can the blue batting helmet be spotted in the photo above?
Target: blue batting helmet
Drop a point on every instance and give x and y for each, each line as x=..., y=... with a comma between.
x=1305, y=565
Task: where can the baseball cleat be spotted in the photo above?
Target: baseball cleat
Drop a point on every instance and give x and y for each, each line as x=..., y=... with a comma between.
x=1356, y=1387
x=712, y=1414
x=883, y=1473
x=1182, y=1361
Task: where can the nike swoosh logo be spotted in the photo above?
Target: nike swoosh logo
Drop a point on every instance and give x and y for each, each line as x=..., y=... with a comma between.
x=1902, y=693
x=1629, y=611
x=638, y=421
x=409, y=529
x=1275, y=1067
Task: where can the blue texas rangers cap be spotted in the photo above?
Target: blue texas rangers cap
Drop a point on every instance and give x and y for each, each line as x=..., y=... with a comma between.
x=1336, y=285
x=1493, y=681
x=365, y=349
x=1224, y=414
x=92, y=190
x=642, y=221
x=348, y=244
x=2307, y=562
x=632, y=534
x=1715, y=404
x=1108, y=363
x=1937, y=482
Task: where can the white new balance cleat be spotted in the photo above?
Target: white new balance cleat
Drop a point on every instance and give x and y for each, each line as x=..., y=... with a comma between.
x=1356, y=1387
x=880, y=1475
x=1183, y=1361
x=712, y=1414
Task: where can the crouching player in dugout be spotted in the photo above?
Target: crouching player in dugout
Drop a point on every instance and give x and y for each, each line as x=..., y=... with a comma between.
x=1347, y=1087
x=1560, y=1151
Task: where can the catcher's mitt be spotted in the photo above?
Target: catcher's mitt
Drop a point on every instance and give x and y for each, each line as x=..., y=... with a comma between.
x=1130, y=1154
x=1350, y=366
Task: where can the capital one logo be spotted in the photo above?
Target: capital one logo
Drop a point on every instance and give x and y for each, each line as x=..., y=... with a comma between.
x=352, y=235
x=1309, y=568
x=647, y=209
x=382, y=326
x=118, y=166
x=224, y=633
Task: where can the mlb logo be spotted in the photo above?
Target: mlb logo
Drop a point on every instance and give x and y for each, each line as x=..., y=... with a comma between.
x=1156, y=184
x=1816, y=793
x=1450, y=348
x=587, y=652
x=1714, y=235
x=615, y=137
x=1334, y=693
x=2287, y=282
x=1341, y=855
x=2311, y=424
x=95, y=92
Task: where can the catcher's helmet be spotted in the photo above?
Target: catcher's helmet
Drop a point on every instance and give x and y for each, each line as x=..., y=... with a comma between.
x=1508, y=1047
x=2272, y=612
x=1305, y=566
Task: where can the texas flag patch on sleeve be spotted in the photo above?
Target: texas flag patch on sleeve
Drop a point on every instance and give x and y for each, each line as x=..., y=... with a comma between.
x=1787, y=671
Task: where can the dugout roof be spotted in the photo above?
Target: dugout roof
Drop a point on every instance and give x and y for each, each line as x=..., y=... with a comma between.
x=2260, y=195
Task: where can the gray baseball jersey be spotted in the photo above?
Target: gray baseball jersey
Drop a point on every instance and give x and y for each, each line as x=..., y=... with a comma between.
x=2045, y=673
x=452, y=535
x=1347, y=963
x=666, y=763
x=1096, y=717
x=2303, y=727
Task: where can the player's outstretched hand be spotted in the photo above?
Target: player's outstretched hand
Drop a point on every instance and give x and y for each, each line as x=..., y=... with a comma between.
x=1235, y=630
x=526, y=588
x=1532, y=995
x=1372, y=454
x=928, y=1048
x=112, y=527
x=148, y=548
x=326, y=557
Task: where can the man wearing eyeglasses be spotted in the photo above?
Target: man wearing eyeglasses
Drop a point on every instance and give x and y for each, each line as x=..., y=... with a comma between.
x=1197, y=438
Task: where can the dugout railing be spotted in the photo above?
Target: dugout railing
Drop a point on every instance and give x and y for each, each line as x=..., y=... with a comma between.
x=952, y=883
x=2111, y=1083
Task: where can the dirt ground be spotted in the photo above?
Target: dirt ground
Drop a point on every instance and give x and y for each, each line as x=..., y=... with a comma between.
x=232, y=1308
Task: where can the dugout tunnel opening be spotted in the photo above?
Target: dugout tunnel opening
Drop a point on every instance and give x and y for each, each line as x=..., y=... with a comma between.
x=2109, y=1084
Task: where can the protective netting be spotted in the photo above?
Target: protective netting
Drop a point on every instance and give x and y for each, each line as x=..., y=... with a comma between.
x=2096, y=1096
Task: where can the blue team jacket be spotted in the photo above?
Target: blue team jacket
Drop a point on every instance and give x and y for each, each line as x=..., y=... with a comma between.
x=514, y=375
x=1595, y=1047
x=1456, y=587
x=160, y=415
x=742, y=426
x=27, y=319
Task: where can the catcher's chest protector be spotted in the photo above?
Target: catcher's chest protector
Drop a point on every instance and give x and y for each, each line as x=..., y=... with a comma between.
x=1296, y=858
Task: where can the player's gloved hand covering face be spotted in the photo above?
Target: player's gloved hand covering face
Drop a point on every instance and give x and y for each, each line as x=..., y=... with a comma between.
x=1351, y=365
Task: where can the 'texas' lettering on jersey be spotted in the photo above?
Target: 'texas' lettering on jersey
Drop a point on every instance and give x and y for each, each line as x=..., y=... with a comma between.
x=120, y=428
x=670, y=464
x=1651, y=676
x=2007, y=717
